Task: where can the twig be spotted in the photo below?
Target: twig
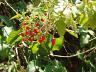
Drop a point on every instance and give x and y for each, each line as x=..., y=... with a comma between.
x=25, y=44
x=92, y=39
x=74, y=55
x=10, y=6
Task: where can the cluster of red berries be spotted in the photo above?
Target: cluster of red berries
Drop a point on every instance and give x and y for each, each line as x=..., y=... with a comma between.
x=34, y=32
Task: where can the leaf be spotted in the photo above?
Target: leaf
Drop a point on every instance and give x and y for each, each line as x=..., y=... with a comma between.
x=84, y=39
x=1, y=24
x=61, y=26
x=0, y=39
x=58, y=45
x=55, y=66
x=83, y=19
x=91, y=21
x=6, y=31
x=12, y=36
x=85, y=1
x=16, y=16
x=19, y=38
x=56, y=48
x=35, y=48
x=91, y=32
x=72, y=33
x=80, y=56
x=12, y=67
x=6, y=20
x=32, y=67
x=4, y=51
x=59, y=40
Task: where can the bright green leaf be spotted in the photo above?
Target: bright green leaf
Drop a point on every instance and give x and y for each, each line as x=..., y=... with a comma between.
x=16, y=16
x=35, y=48
x=12, y=36
x=59, y=42
x=83, y=19
x=72, y=33
x=61, y=26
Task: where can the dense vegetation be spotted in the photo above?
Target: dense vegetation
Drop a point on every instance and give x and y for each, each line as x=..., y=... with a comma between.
x=47, y=36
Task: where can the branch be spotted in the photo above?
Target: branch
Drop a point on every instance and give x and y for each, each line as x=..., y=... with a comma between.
x=92, y=39
x=74, y=55
x=10, y=6
x=25, y=44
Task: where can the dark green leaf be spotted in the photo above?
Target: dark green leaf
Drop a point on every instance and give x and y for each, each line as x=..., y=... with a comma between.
x=6, y=20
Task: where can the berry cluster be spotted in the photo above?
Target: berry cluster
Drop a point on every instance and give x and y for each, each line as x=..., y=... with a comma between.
x=35, y=30
x=32, y=34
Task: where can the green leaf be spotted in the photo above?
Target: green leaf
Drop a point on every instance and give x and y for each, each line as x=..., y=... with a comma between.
x=16, y=16
x=1, y=24
x=12, y=36
x=35, y=48
x=61, y=26
x=32, y=67
x=0, y=39
x=56, y=48
x=91, y=21
x=12, y=67
x=6, y=20
x=58, y=45
x=84, y=39
x=91, y=32
x=55, y=66
x=80, y=56
x=19, y=38
x=4, y=51
x=83, y=19
x=72, y=33
x=59, y=42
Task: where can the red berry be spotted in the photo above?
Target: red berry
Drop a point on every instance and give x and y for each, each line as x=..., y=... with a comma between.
x=45, y=13
x=27, y=38
x=53, y=41
x=24, y=39
x=36, y=30
x=42, y=38
x=27, y=32
x=37, y=24
x=36, y=16
x=24, y=23
x=31, y=33
x=30, y=39
x=22, y=34
x=42, y=20
x=27, y=27
x=40, y=41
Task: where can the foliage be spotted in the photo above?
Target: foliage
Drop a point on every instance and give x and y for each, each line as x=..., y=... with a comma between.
x=49, y=36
